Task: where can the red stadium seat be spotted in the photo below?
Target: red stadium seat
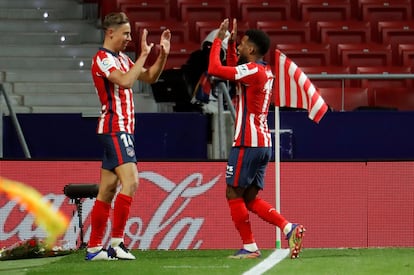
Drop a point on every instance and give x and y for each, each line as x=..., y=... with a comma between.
x=387, y=70
x=263, y=10
x=327, y=70
x=399, y=98
x=385, y=10
x=321, y=10
x=365, y=54
x=347, y=99
x=306, y=54
x=179, y=54
x=202, y=10
x=144, y=10
x=395, y=33
x=406, y=54
x=287, y=32
x=335, y=32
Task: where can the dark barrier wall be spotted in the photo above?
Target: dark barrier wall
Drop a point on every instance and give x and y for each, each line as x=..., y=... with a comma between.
x=71, y=136
x=360, y=135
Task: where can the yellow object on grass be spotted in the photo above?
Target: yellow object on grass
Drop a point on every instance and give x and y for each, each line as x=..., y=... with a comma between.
x=51, y=220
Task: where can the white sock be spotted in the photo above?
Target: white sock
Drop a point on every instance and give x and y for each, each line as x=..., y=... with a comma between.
x=116, y=241
x=252, y=247
x=94, y=249
x=287, y=228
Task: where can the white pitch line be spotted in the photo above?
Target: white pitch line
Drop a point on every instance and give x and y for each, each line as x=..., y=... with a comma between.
x=274, y=258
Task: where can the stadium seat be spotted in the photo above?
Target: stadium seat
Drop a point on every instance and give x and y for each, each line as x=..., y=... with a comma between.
x=179, y=54
x=144, y=10
x=202, y=10
x=335, y=32
x=384, y=70
x=327, y=70
x=287, y=32
x=364, y=54
x=179, y=30
x=203, y=28
x=395, y=98
x=347, y=99
x=310, y=54
x=263, y=10
x=385, y=10
x=406, y=54
x=395, y=33
x=321, y=10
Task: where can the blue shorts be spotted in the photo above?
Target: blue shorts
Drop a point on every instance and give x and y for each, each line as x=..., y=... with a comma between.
x=119, y=148
x=247, y=165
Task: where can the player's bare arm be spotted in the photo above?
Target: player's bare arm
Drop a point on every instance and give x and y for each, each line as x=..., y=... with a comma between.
x=233, y=33
x=152, y=74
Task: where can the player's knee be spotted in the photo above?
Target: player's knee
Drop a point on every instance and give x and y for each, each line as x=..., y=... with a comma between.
x=130, y=187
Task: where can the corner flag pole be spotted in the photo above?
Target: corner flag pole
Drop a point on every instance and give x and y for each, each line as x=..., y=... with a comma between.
x=277, y=172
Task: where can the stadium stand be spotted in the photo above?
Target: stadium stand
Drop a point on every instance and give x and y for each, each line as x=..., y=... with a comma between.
x=338, y=36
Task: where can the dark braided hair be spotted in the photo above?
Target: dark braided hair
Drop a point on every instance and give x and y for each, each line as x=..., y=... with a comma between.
x=260, y=39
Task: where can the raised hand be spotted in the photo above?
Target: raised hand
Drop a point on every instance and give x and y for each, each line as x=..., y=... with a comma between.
x=233, y=34
x=165, y=41
x=145, y=47
x=224, y=26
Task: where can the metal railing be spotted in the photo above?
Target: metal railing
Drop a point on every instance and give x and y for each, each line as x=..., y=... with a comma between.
x=15, y=122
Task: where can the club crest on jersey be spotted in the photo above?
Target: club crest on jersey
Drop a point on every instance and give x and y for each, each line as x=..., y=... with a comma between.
x=130, y=151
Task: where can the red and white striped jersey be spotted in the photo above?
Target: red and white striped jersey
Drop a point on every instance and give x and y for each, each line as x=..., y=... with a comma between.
x=253, y=96
x=117, y=111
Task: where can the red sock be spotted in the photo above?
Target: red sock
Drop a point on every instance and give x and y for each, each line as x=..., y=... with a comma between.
x=121, y=214
x=99, y=219
x=240, y=217
x=267, y=212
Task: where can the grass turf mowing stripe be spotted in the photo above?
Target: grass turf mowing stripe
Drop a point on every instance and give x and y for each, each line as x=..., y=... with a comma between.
x=274, y=258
